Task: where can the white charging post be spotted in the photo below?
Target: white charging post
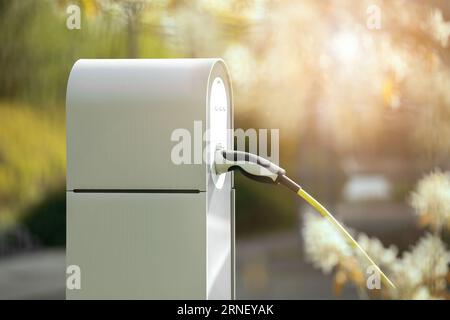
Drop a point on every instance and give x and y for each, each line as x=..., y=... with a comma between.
x=140, y=226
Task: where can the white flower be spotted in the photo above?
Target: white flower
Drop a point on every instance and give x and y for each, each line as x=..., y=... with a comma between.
x=325, y=247
x=419, y=274
x=426, y=263
x=383, y=257
x=432, y=198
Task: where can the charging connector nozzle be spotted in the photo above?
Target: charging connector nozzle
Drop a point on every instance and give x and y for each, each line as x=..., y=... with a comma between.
x=252, y=166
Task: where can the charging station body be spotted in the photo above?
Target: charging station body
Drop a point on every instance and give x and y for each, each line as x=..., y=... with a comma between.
x=140, y=224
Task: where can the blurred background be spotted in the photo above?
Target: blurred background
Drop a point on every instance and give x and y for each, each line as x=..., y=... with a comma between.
x=360, y=91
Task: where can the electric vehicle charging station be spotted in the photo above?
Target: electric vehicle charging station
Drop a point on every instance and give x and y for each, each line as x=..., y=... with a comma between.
x=140, y=226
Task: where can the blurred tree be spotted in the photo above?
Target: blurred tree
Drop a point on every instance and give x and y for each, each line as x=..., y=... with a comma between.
x=32, y=157
x=38, y=50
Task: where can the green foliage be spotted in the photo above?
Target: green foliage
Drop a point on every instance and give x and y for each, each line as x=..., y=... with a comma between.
x=38, y=50
x=32, y=157
x=36, y=56
x=262, y=208
x=46, y=221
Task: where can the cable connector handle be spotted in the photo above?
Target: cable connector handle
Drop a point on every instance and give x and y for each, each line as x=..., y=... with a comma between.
x=252, y=166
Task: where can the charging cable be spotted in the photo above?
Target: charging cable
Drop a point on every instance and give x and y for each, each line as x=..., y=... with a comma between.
x=262, y=170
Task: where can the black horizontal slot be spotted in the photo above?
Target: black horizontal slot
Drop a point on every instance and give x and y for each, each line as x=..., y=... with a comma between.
x=136, y=191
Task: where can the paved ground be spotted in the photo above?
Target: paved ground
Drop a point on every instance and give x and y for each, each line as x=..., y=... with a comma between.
x=37, y=275
x=273, y=267
x=268, y=267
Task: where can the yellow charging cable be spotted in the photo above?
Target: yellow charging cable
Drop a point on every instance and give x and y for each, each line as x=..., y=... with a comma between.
x=262, y=170
x=326, y=214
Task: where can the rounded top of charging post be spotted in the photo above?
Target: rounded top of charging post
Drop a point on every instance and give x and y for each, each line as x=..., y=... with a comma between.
x=128, y=118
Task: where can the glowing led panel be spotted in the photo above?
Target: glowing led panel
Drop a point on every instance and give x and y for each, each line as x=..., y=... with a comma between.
x=218, y=120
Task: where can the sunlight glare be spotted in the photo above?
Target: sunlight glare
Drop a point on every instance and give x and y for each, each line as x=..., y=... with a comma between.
x=345, y=46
